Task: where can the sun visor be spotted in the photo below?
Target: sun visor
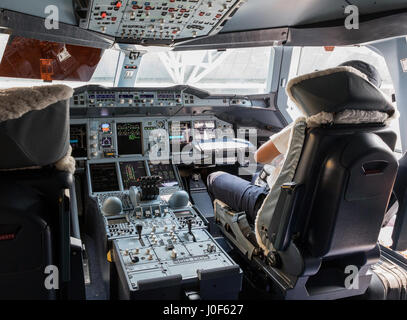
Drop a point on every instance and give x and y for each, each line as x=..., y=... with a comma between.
x=335, y=90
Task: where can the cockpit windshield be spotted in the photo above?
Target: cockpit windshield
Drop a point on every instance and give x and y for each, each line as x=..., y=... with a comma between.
x=235, y=71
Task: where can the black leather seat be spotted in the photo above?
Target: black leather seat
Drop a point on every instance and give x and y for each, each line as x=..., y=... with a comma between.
x=34, y=210
x=318, y=228
x=328, y=218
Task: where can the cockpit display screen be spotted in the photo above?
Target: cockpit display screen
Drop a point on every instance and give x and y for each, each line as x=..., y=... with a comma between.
x=78, y=140
x=131, y=172
x=165, y=171
x=204, y=130
x=104, y=177
x=180, y=134
x=129, y=140
x=105, y=128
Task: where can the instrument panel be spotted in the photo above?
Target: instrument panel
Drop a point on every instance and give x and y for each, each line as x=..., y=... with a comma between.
x=120, y=175
x=155, y=137
x=95, y=96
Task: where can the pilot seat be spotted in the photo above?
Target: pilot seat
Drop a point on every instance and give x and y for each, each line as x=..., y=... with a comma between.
x=315, y=236
x=40, y=257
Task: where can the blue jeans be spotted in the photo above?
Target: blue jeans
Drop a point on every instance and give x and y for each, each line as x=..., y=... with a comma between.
x=237, y=193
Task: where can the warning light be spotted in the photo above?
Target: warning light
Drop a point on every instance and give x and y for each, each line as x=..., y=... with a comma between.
x=329, y=48
x=103, y=15
x=118, y=4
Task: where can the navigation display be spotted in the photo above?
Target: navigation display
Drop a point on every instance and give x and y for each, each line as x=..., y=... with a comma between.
x=78, y=140
x=104, y=177
x=204, y=130
x=165, y=171
x=180, y=134
x=131, y=172
x=129, y=140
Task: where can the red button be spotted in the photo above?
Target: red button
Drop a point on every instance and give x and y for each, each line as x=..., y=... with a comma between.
x=118, y=4
x=218, y=15
x=201, y=13
x=103, y=15
x=114, y=18
x=148, y=8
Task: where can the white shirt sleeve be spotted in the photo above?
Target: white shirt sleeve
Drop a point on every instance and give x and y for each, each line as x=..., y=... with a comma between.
x=282, y=139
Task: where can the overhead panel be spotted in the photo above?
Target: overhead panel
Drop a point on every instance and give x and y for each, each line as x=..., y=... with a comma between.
x=160, y=20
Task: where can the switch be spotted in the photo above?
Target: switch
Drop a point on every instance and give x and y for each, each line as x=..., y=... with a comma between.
x=173, y=254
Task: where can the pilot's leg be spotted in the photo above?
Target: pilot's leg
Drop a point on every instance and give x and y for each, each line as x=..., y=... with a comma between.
x=237, y=193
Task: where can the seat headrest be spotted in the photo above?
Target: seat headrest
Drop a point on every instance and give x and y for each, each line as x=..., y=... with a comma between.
x=335, y=90
x=34, y=126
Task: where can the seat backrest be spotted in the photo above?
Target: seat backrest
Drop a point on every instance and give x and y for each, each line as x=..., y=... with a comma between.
x=34, y=126
x=348, y=174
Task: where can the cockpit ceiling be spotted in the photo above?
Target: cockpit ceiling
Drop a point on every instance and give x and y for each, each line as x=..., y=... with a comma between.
x=196, y=24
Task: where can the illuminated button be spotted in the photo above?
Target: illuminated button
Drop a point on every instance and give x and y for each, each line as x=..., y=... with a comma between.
x=103, y=15
x=119, y=4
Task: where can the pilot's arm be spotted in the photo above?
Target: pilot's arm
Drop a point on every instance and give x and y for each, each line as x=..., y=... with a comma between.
x=278, y=144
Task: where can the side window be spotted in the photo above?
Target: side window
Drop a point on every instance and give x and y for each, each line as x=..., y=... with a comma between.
x=310, y=59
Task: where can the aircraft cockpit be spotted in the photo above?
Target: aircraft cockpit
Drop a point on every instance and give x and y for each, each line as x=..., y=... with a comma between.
x=193, y=150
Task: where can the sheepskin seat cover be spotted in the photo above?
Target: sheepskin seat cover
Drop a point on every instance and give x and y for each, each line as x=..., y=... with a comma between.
x=34, y=128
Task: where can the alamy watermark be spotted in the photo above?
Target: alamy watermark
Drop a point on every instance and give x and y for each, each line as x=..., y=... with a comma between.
x=52, y=18
x=352, y=19
x=352, y=280
x=51, y=281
